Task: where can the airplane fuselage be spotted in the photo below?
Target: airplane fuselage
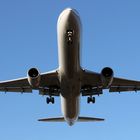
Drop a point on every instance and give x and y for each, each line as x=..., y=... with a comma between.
x=69, y=34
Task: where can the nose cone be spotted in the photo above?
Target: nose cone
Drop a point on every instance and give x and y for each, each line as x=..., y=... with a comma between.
x=70, y=11
x=69, y=14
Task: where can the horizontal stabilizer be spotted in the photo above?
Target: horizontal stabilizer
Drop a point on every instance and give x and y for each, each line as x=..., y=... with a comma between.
x=89, y=119
x=80, y=119
x=59, y=119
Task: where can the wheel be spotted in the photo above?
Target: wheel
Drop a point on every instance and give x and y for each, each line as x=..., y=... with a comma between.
x=52, y=100
x=88, y=100
x=93, y=100
x=48, y=100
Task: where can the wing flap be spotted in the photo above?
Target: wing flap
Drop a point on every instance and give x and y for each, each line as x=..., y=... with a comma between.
x=16, y=89
x=124, y=88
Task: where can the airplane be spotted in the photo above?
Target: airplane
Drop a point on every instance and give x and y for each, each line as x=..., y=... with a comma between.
x=70, y=81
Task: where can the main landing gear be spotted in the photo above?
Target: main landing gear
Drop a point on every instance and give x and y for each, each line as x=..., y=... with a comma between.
x=50, y=100
x=91, y=100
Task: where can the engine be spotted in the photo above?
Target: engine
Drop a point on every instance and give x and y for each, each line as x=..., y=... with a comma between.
x=107, y=75
x=34, y=77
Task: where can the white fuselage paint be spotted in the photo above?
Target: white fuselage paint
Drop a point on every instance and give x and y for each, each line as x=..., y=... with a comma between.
x=69, y=34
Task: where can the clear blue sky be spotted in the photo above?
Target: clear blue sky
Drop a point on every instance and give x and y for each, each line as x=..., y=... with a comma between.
x=28, y=38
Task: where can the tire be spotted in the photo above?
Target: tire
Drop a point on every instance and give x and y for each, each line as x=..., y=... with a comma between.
x=48, y=100
x=52, y=100
x=88, y=100
x=93, y=100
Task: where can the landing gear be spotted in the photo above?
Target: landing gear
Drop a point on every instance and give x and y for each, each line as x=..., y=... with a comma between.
x=91, y=100
x=50, y=100
x=70, y=36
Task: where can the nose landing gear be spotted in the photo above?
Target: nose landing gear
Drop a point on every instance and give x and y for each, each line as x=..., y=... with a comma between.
x=70, y=36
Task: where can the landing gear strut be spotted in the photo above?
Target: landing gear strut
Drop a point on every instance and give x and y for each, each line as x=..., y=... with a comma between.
x=50, y=100
x=91, y=100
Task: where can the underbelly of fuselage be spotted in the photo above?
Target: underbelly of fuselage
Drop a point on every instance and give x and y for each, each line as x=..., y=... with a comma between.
x=70, y=101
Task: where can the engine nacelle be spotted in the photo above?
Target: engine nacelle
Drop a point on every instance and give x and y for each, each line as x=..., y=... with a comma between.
x=107, y=75
x=34, y=77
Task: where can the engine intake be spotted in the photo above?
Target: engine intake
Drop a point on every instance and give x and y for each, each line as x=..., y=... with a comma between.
x=107, y=75
x=34, y=77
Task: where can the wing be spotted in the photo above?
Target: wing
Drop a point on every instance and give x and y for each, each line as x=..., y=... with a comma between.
x=16, y=85
x=50, y=84
x=92, y=84
x=91, y=78
x=48, y=80
x=122, y=85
